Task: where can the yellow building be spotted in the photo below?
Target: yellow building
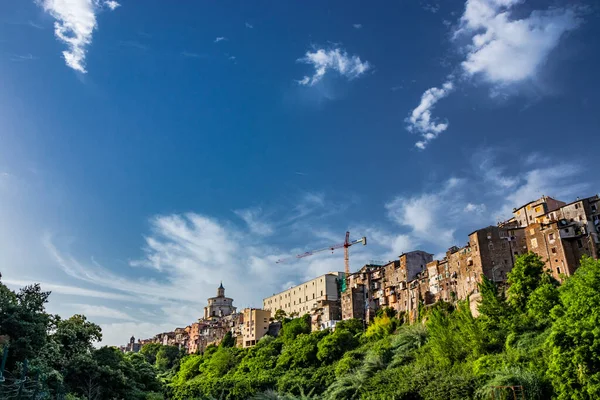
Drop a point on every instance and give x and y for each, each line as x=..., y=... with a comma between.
x=256, y=325
x=301, y=299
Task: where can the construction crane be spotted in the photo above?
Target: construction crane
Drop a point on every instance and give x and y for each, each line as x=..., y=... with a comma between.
x=346, y=245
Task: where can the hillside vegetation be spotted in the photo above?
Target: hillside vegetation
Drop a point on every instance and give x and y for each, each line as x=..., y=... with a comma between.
x=536, y=335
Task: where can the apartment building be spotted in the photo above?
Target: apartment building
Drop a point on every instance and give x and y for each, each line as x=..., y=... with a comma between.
x=256, y=325
x=528, y=213
x=302, y=298
x=562, y=236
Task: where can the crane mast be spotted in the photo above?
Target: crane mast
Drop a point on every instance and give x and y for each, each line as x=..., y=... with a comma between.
x=346, y=245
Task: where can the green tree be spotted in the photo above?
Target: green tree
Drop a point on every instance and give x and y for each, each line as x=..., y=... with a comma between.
x=149, y=351
x=23, y=319
x=167, y=357
x=295, y=327
x=279, y=315
x=228, y=340
x=574, y=342
x=523, y=279
x=333, y=346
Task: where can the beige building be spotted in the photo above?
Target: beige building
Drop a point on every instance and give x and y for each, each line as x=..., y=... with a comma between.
x=256, y=325
x=302, y=298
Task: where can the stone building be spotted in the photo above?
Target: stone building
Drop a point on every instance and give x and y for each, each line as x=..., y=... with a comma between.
x=219, y=306
x=301, y=299
x=132, y=346
x=561, y=237
x=528, y=213
x=325, y=314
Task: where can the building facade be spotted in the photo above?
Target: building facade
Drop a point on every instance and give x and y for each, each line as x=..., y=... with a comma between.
x=301, y=299
x=255, y=325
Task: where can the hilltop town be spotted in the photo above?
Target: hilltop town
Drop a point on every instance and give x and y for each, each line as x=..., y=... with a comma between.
x=560, y=233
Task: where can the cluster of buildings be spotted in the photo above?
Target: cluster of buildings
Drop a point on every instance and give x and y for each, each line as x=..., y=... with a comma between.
x=220, y=316
x=558, y=232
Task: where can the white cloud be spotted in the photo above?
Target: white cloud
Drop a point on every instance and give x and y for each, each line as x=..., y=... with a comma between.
x=357, y=26
x=112, y=4
x=475, y=208
x=101, y=312
x=506, y=50
x=252, y=217
x=220, y=39
x=337, y=60
x=249, y=25
x=74, y=26
x=431, y=216
x=420, y=120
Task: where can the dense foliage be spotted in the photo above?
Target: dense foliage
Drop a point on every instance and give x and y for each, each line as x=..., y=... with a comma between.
x=58, y=359
x=537, y=336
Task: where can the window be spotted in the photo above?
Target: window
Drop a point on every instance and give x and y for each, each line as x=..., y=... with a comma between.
x=530, y=218
x=532, y=231
x=554, y=250
x=576, y=206
x=551, y=236
x=537, y=209
x=566, y=230
x=313, y=295
x=306, y=298
x=593, y=207
x=558, y=270
x=534, y=243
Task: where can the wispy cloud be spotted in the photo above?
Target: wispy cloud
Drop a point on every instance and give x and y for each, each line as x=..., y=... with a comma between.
x=336, y=60
x=34, y=25
x=22, y=57
x=101, y=311
x=249, y=25
x=74, y=26
x=111, y=4
x=220, y=39
x=504, y=50
x=420, y=120
x=133, y=44
x=357, y=26
x=189, y=54
x=253, y=217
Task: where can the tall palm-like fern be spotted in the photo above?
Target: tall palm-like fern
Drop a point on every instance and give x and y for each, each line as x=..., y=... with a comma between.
x=352, y=386
x=407, y=341
x=534, y=387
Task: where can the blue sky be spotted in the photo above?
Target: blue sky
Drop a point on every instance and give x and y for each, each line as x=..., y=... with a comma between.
x=148, y=152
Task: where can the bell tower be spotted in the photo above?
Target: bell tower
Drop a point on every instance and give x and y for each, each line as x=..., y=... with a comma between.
x=221, y=291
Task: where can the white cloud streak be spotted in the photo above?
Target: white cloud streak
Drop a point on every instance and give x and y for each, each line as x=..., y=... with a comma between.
x=220, y=39
x=252, y=217
x=74, y=26
x=357, y=26
x=249, y=25
x=420, y=120
x=337, y=60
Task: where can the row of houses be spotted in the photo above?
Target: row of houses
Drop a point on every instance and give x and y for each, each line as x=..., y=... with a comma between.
x=558, y=232
x=220, y=316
